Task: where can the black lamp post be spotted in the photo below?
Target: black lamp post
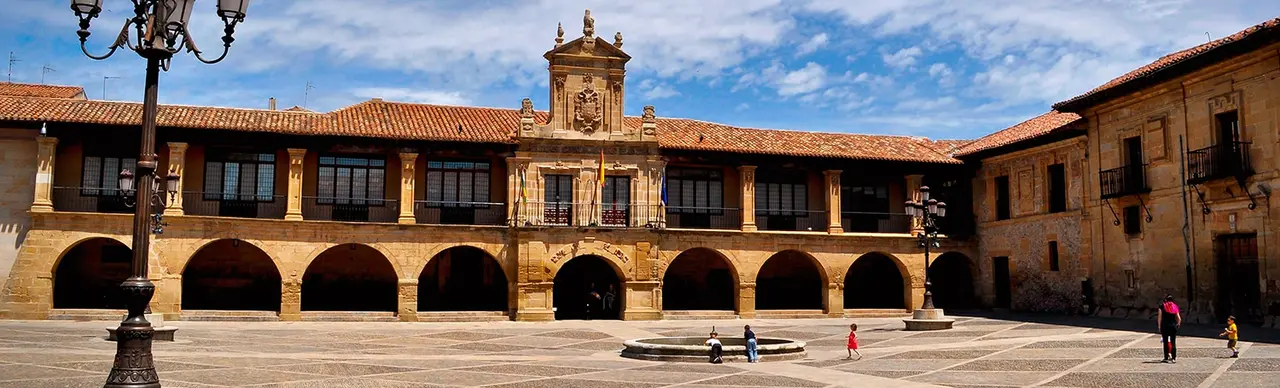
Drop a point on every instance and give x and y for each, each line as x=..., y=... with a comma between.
x=928, y=211
x=160, y=32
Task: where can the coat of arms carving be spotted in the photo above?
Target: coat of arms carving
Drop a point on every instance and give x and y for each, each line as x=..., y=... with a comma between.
x=587, y=107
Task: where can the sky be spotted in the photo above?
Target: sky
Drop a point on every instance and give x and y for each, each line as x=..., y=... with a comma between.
x=943, y=69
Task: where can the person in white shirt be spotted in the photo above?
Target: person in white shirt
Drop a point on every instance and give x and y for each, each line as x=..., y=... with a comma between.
x=716, y=348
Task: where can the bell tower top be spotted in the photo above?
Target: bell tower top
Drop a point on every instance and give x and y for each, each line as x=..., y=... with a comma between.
x=587, y=84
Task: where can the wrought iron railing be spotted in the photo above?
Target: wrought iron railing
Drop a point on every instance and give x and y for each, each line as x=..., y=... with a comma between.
x=607, y=215
x=1230, y=159
x=869, y=222
x=791, y=220
x=460, y=213
x=234, y=205
x=90, y=200
x=1125, y=180
x=694, y=217
x=350, y=209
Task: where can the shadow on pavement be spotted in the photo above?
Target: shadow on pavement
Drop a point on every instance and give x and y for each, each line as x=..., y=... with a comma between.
x=1248, y=333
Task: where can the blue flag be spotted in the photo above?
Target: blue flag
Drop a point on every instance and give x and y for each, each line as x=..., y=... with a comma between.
x=664, y=187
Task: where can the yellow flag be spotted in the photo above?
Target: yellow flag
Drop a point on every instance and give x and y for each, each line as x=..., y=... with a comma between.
x=601, y=173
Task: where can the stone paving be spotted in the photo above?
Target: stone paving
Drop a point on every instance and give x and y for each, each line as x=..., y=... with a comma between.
x=979, y=352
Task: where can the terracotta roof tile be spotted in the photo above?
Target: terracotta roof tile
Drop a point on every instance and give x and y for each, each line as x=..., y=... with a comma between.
x=34, y=90
x=1039, y=126
x=1171, y=60
x=695, y=135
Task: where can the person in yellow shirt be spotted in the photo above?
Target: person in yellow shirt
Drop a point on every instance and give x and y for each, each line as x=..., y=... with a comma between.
x=1233, y=336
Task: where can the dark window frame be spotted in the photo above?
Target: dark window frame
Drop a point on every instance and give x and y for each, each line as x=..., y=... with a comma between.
x=615, y=200
x=1054, y=265
x=782, y=195
x=371, y=165
x=696, y=185
x=1057, y=174
x=220, y=162
x=1132, y=220
x=558, y=211
x=97, y=180
x=478, y=189
x=1003, y=205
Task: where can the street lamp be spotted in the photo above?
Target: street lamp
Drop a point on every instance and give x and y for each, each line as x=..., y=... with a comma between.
x=160, y=31
x=928, y=211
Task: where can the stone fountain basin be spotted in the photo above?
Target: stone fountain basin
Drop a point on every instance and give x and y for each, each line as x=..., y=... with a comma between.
x=692, y=349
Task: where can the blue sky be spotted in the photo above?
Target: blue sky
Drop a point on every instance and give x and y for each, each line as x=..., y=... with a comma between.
x=944, y=69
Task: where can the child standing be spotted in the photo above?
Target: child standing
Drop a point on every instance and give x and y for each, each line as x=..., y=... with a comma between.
x=853, y=341
x=752, y=354
x=1233, y=336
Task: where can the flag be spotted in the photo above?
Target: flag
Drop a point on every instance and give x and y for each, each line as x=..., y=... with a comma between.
x=524, y=190
x=664, y=187
x=601, y=173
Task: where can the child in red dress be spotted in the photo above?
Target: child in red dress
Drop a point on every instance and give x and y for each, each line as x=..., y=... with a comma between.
x=853, y=341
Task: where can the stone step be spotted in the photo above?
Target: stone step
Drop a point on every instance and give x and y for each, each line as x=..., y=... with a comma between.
x=876, y=313
x=110, y=315
x=463, y=316
x=682, y=315
x=349, y=316
x=230, y=316
x=790, y=314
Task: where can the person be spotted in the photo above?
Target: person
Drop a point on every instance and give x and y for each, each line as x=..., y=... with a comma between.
x=750, y=336
x=853, y=341
x=609, y=298
x=1169, y=320
x=1233, y=336
x=716, y=348
x=593, y=299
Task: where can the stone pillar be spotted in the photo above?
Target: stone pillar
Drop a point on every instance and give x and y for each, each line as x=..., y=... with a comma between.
x=746, y=303
x=45, y=157
x=913, y=194
x=535, y=302
x=294, y=210
x=408, y=164
x=639, y=303
x=831, y=179
x=291, y=300
x=747, y=175
x=407, y=308
x=835, y=300
x=178, y=164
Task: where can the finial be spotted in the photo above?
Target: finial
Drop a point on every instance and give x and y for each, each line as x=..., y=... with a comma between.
x=617, y=39
x=588, y=25
x=648, y=115
x=559, y=34
x=44, y=129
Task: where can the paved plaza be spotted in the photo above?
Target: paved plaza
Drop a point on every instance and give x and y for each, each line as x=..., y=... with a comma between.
x=979, y=352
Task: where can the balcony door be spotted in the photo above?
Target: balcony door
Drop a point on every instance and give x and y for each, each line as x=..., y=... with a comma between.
x=457, y=190
x=558, y=198
x=616, y=202
x=352, y=185
x=239, y=181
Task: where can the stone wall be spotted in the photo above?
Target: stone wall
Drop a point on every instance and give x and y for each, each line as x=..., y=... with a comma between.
x=17, y=180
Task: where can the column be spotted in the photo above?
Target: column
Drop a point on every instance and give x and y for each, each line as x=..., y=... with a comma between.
x=746, y=303
x=834, y=300
x=294, y=211
x=408, y=164
x=832, y=182
x=913, y=194
x=407, y=307
x=291, y=300
x=178, y=164
x=638, y=301
x=48, y=147
x=747, y=175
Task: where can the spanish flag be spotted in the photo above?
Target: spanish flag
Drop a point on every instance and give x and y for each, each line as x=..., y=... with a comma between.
x=524, y=189
x=601, y=173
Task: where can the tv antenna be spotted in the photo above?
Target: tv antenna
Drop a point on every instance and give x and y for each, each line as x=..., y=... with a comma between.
x=307, y=94
x=12, y=60
x=104, y=86
x=46, y=69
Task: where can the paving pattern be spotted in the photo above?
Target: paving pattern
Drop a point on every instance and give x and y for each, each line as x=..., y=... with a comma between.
x=979, y=352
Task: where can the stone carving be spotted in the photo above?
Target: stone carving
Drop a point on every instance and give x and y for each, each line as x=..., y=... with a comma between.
x=559, y=34
x=617, y=40
x=1225, y=103
x=749, y=176
x=571, y=250
x=648, y=115
x=558, y=83
x=526, y=107
x=588, y=25
x=588, y=108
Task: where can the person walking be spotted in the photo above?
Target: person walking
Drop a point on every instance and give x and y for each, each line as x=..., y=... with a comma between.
x=1168, y=321
x=610, y=297
x=716, y=348
x=1233, y=336
x=853, y=341
x=593, y=300
x=750, y=336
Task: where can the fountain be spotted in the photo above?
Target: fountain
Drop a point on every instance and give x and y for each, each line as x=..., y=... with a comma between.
x=693, y=349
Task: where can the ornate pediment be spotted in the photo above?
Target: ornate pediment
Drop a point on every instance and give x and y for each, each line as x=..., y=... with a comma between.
x=587, y=107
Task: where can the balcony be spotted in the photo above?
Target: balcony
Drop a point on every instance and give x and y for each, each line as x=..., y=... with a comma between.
x=1125, y=180
x=89, y=199
x=692, y=217
x=460, y=213
x=791, y=220
x=867, y=222
x=234, y=205
x=1219, y=161
x=349, y=209
x=588, y=214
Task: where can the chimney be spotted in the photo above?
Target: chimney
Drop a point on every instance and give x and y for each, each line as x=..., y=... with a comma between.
x=271, y=103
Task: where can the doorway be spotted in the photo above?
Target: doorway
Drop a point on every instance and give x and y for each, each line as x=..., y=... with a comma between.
x=1238, y=285
x=1000, y=278
x=587, y=287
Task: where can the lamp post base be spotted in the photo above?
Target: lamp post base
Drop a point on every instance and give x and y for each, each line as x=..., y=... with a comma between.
x=133, y=365
x=927, y=320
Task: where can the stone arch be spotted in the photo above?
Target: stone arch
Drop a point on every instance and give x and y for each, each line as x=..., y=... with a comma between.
x=231, y=274
x=876, y=280
x=579, y=276
x=508, y=267
x=700, y=279
x=88, y=273
x=791, y=280
x=463, y=278
x=320, y=250
x=611, y=254
x=350, y=277
x=953, y=277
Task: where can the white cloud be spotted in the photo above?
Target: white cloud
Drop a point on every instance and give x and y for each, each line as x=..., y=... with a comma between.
x=942, y=73
x=413, y=95
x=807, y=79
x=660, y=92
x=813, y=44
x=902, y=58
x=742, y=107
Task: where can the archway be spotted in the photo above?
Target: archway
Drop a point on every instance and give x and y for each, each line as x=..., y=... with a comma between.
x=874, y=282
x=575, y=283
x=231, y=275
x=952, y=278
x=462, y=279
x=789, y=280
x=699, y=279
x=350, y=277
x=89, y=275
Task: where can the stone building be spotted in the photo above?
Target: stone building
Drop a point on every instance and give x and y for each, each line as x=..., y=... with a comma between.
x=412, y=212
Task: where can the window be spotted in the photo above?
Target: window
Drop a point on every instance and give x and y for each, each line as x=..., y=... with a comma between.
x=1053, y=256
x=101, y=175
x=457, y=184
x=1057, y=188
x=239, y=176
x=1131, y=279
x=559, y=199
x=1228, y=127
x=695, y=191
x=1133, y=151
x=1132, y=220
x=1002, y=198
x=352, y=180
x=782, y=197
x=616, y=200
